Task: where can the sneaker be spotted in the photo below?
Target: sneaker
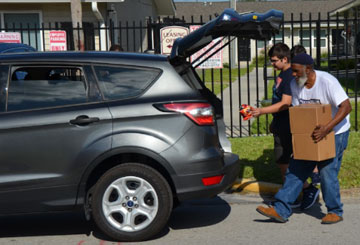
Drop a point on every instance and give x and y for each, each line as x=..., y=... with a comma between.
x=331, y=218
x=271, y=213
x=315, y=178
x=296, y=204
x=310, y=195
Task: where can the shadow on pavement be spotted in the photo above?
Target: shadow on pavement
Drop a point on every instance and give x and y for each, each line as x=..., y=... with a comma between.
x=44, y=224
x=198, y=213
x=315, y=211
x=190, y=214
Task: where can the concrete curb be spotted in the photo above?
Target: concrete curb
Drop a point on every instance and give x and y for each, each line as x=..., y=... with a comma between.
x=243, y=186
x=254, y=186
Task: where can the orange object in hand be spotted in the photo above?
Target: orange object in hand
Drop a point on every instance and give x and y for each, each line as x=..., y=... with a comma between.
x=245, y=111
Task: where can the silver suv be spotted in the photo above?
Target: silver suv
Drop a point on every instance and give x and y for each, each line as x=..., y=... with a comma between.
x=122, y=136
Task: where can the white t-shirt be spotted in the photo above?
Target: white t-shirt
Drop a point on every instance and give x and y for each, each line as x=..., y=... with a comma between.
x=326, y=90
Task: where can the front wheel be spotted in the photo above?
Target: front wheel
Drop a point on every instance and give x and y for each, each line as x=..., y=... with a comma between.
x=131, y=202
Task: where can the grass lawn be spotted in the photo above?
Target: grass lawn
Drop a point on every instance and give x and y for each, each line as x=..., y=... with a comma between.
x=257, y=160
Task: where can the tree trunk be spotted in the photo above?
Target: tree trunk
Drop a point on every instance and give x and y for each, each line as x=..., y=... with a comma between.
x=76, y=16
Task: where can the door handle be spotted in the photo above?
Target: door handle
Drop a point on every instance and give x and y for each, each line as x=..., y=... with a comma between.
x=84, y=120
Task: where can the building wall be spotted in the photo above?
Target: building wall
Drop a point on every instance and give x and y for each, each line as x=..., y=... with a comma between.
x=134, y=10
x=54, y=12
x=129, y=14
x=127, y=17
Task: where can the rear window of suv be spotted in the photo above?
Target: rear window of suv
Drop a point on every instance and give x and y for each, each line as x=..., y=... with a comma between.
x=124, y=82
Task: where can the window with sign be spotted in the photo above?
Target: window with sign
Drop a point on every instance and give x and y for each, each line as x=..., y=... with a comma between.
x=28, y=24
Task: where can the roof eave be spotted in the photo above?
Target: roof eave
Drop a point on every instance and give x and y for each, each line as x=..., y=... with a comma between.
x=165, y=7
x=345, y=7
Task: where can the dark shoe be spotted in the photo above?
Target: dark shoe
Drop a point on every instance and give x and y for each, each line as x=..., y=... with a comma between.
x=310, y=196
x=271, y=213
x=315, y=178
x=331, y=218
x=296, y=204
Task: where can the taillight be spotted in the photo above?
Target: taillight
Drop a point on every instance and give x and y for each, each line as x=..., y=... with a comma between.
x=214, y=180
x=201, y=113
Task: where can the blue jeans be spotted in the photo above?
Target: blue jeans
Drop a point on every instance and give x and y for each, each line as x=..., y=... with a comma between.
x=300, y=170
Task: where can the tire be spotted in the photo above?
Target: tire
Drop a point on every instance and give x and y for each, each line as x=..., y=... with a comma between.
x=131, y=202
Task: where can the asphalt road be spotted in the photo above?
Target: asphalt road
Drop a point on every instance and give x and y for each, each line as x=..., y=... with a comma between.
x=227, y=219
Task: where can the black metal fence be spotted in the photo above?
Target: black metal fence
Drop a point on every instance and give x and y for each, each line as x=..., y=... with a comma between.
x=333, y=42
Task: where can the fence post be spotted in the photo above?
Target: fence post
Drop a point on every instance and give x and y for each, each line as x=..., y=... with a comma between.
x=149, y=34
x=356, y=69
x=318, y=43
x=112, y=32
x=157, y=40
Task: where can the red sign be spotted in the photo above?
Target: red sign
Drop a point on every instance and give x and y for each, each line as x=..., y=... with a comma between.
x=215, y=61
x=57, y=40
x=10, y=37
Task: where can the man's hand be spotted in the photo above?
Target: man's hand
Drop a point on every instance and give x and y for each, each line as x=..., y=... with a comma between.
x=319, y=133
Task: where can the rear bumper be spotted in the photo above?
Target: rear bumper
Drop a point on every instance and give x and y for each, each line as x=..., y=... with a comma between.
x=191, y=187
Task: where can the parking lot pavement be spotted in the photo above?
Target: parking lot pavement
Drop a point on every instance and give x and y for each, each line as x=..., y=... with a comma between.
x=225, y=219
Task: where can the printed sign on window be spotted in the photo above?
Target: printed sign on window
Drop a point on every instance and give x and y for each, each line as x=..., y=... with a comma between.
x=213, y=62
x=10, y=37
x=57, y=40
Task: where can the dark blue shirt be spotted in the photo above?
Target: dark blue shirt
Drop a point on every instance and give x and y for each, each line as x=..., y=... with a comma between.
x=281, y=86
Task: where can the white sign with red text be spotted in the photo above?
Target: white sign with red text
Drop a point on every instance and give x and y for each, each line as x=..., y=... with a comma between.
x=213, y=62
x=169, y=34
x=10, y=37
x=57, y=40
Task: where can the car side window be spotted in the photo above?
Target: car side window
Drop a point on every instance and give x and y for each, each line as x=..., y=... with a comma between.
x=43, y=87
x=124, y=82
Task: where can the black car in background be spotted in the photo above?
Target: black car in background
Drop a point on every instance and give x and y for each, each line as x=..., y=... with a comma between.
x=121, y=136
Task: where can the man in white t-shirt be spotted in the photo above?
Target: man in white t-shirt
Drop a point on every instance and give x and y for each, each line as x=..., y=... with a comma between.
x=312, y=86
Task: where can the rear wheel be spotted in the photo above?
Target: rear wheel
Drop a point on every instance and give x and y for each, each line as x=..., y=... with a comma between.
x=131, y=202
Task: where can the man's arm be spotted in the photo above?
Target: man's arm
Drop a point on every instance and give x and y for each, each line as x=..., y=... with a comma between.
x=322, y=130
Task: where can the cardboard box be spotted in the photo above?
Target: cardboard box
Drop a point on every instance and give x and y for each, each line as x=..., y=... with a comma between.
x=303, y=120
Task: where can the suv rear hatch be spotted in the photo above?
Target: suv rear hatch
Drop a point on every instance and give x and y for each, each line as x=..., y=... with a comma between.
x=260, y=26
